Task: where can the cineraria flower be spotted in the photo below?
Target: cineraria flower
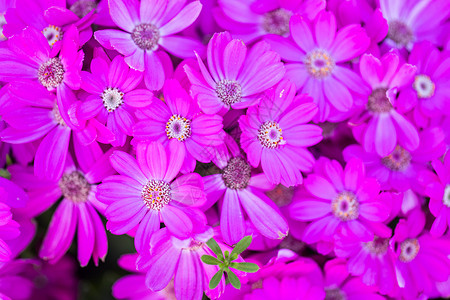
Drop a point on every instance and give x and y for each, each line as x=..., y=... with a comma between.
x=341, y=200
x=13, y=283
x=315, y=61
x=170, y=257
x=238, y=188
x=421, y=260
x=400, y=169
x=148, y=26
x=235, y=78
x=275, y=134
x=52, y=18
x=180, y=119
x=252, y=19
x=379, y=128
x=145, y=193
x=77, y=212
x=83, y=7
x=113, y=95
x=412, y=21
x=429, y=92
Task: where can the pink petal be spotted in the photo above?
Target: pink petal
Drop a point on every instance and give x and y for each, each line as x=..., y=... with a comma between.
x=149, y=224
x=301, y=33
x=320, y=187
x=126, y=165
x=152, y=159
x=182, y=20
x=306, y=210
x=86, y=235
x=188, y=281
x=232, y=218
x=176, y=221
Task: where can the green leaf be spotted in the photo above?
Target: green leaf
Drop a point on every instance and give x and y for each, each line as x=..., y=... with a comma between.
x=210, y=260
x=242, y=245
x=212, y=244
x=245, y=267
x=234, y=280
x=215, y=280
x=227, y=255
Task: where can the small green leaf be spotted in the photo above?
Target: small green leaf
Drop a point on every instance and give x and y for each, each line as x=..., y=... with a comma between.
x=245, y=267
x=5, y=174
x=227, y=254
x=234, y=280
x=215, y=280
x=242, y=244
x=212, y=244
x=234, y=256
x=210, y=260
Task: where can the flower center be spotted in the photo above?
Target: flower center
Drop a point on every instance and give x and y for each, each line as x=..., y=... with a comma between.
x=146, y=36
x=345, y=206
x=378, y=245
x=51, y=73
x=2, y=23
x=156, y=194
x=194, y=246
x=378, y=101
x=424, y=86
x=398, y=160
x=334, y=294
x=400, y=33
x=277, y=21
x=229, y=91
x=270, y=135
x=82, y=7
x=319, y=63
x=57, y=116
x=446, y=198
x=52, y=34
x=236, y=174
x=409, y=250
x=178, y=128
x=112, y=98
x=74, y=187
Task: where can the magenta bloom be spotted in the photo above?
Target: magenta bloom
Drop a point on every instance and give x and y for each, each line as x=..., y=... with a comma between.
x=179, y=118
x=422, y=261
x=401, y=168
x=239, y=188
x=172, y=257
x=235, y=78
x=114, y=96
x=146, y=194
x=315, y=61
x=78, y=210
x=4, y=6
x=341, y=201
x=14, y=285
x=147, y=27
x=275, y=134
x=379, y=128
x=252, y=19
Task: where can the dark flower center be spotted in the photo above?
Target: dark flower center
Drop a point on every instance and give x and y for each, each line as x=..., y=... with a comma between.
x=178, y=128
x=236, y=174
x=51, y=73
x=146, y=36
x=82, y=7
x=319, y=63
x=270, y=135
x=156, y=194
x=378, y=101
x=378, y=245
x=277, y=21
x=112, y=98
x=334, y=294
x=409, y=250
x=229, y=91
x=74, y=187
x=400, y=33
x=345, y=206
x=398, y=160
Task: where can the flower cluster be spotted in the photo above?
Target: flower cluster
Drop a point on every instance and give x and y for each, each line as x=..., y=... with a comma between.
x=313, y=131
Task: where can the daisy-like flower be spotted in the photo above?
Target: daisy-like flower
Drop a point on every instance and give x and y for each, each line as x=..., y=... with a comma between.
x=315, y=61
x=170, y=257
x=400, y=169
x=145, y=193
x=275, y=134
x=78, y=210
x=235, y=78
x=239, y=188
x=341, y=201
x=413, y=21
x=252, y=19
x=379, y=127
x=52, y=18
x=147, y=26
x=114, y=96
x=180, y=119
x=421, y=260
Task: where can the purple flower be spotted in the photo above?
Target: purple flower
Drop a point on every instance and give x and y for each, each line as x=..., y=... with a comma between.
x=275, y=134
x=252, y=19
x=179, y=118
x=235, y=78
x=147, y=26
x=379, y=128
x=315, y=61
x=341, y=201
x=14, y=285
x=238, y=187
x=113, y=95
x=146, y=194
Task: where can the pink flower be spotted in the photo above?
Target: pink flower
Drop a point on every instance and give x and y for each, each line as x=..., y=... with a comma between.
x=235, y=77
x=13, y=282
x=315, y=61
x=145, y=193
x=148, y=26
x=275, y=134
